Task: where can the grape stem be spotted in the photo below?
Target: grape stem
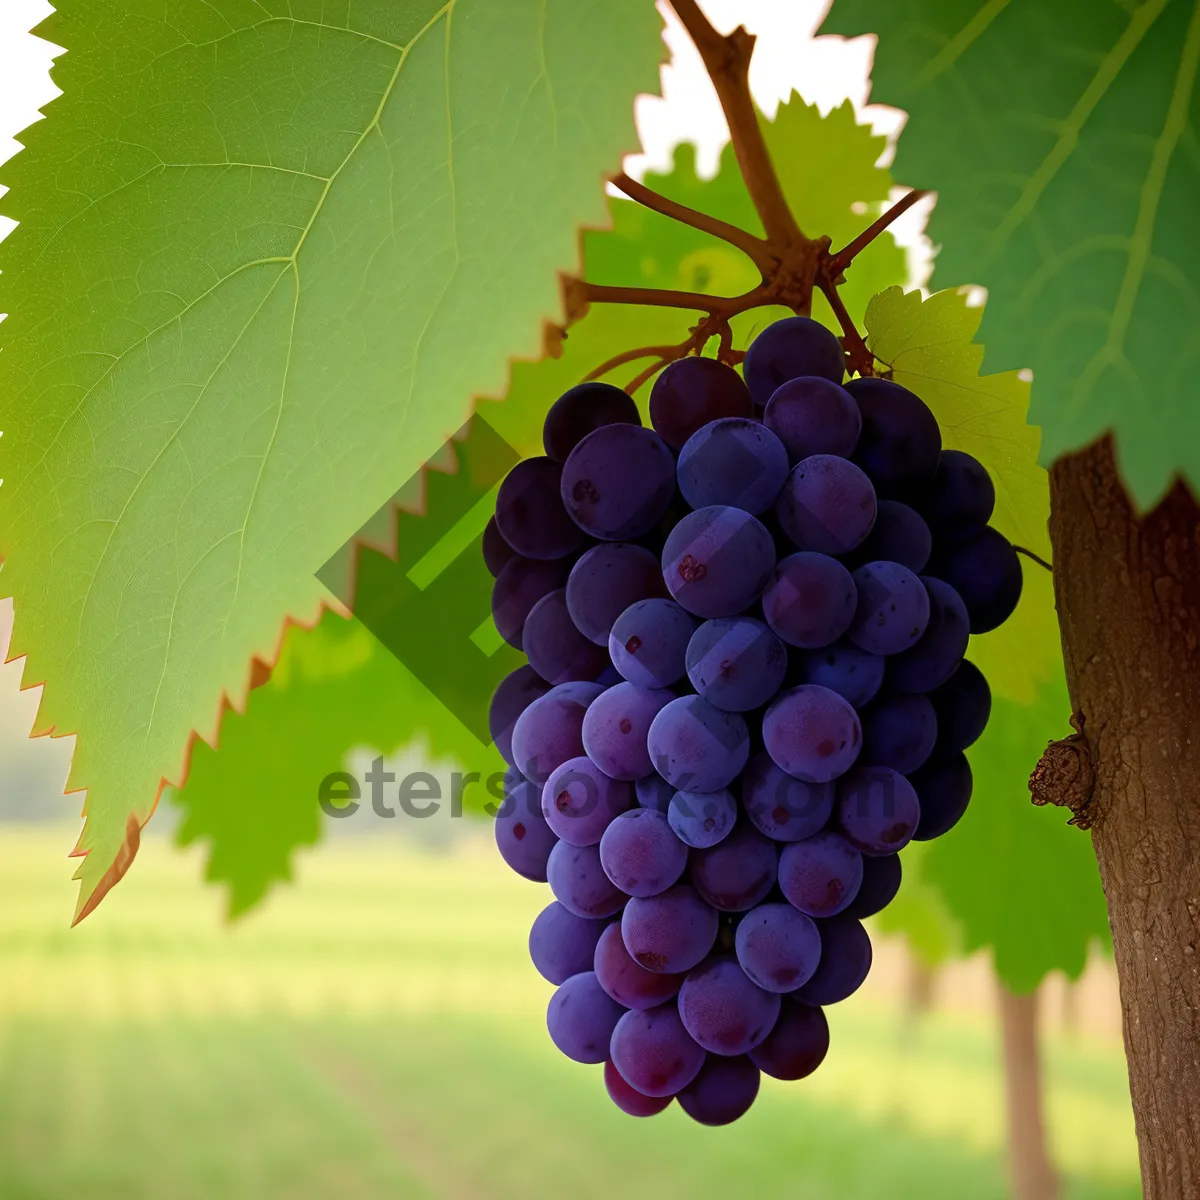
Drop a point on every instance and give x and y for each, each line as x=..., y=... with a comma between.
x=858, y=357
x=1037, y=558
x=846, y=255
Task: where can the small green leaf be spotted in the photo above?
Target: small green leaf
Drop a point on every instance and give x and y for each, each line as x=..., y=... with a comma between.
x=920, y=913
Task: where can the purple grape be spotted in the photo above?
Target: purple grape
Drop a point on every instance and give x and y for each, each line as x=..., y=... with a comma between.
x=827, y=505
x=691, y=392
x=789, y=349
x=670, y=932
x=550, y=730
x=530, y=513
x=812, y=733
x=702, y=819
x=618, y=482
x=557, y=651
x=641, y=854
x=898, y=732
x=723, y=1009
x=581, y=1018
x=893, y=608
x=519, y=586
x=624, y=980
x=579, y=883
x=778, y=947
x=943, y=786
x=812, y=415
x=901, y=444
x=877, y=809
x=496, y=551
x=986, y=573
x=880, y=883
x=736, y=663
x=582, y=409
x=605, y=582
x=723, y=1091
x=523, y=838
x=810, y=600
x=821, y=875
x=736, y=461
x=845, y=962
x=653, y=1052
x=936, y=657
x=648, y=642
x=654, y=792
x=717, y=561
x=797, y=1045
x=562, y=944
x=780, y=806
x=697, y=746
x=629, y=1100
x=900, y=535
x=615, y=728
x=960, y=500
x=580, y=801
x=738, y=872
x=514, y=694
x=963, y=704
x=854, y=674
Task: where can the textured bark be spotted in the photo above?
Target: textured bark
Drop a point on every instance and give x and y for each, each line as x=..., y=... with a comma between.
x=1128, y=594
x=1029, y=1167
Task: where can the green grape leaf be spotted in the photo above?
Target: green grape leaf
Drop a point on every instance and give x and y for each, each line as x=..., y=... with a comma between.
x=1059, y=135
x=267, y=253
x=920, y=914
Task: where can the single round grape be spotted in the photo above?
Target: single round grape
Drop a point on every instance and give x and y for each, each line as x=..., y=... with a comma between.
x=581, y=1018
x=738, y=872
x=856, y=675
x=524, y=840
x=641, y=854
x=735, y=461
x=629, y=1100
x=789, y=349
x=963, y=704
x=697, y=746
x=691, y=392
x=937, y=654
x=797, y=1045
x=615, y=727
x=653, y=791
x=530, y=513
x=812, y=415
x=580, y=801
x=557, y=651
x=624, y=980
x=827, y=505
x=821, y=875
x=812, y=733
x=899, y=535
x=618, y=482
x=579, y=883
x=723, y=1009
x=845, y=962
x=810, y=599
x=654, y=1053
x=722, y=1092
x=648, y=642
x=496, y=551
x=898, y=732
x=901, y=444
x=780, y=806
x=562, y=944
x=550, y=730
x=880, y=883
x=736, y=663
x=605, y=581
x=893, y=608
x=960, y=500
x=582, y=409
x=877, y=809
x=778, y=947
x=513, y=695
x=986, y=573
x=717, y=561
x=670, y=932
x=943, y=786
x=702, y=819
x=522, y=582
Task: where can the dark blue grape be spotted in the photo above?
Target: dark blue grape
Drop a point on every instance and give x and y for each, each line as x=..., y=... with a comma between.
x=812, y=733
x=722, y=1092
x=605, y=581
x=789, y=349
x=845, y=962
x=579, y=883
x=812, y=415
x=723, y=1009
x=737, y=873
x=697, y=746
x=934, y=658
x=530, y=513
x=624, y=980
x=691, y=392
x=810, y=599
x=900, y=535
x=550, y=730
x=898, y=732
x=562, y=944
x=893, y=608
x=557, y=651
x=670, y=932
x=702, y=819
x=735, y=461
x=821, y=875
x=780, y=806
x=641, y=854
x=736, y=663
x=581, y=1018
x=654, y=1053
x=877, y=809
x=648, y=642
x=778, y=947
x=522, y=582
x=986, y=572
x=797, y=1045
x=856, y=675
x=901, y=444
x=943, y=787
x=653, y=791
x=496, y=551
x=629, y=1100
x=880, y=883
x=616, y=725
x=582, y=409
x=963, y=704
x=580, y=801
x=717, y=561
x=827, y=505
x=514, y=694
x=960, y=500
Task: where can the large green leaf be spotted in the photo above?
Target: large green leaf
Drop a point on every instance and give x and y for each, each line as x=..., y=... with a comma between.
x=268, y=252
x=1060, y=137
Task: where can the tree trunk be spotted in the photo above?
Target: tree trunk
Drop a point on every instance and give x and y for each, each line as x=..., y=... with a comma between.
x=1030, y=1169
x=1128, y=595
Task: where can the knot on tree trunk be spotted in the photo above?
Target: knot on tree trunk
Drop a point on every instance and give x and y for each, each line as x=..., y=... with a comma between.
x=1064, y=776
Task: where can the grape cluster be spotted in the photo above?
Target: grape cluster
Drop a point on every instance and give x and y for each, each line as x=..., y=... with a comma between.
x=746, y=692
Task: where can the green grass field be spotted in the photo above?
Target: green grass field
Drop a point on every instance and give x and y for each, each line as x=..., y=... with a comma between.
x=377, y=1031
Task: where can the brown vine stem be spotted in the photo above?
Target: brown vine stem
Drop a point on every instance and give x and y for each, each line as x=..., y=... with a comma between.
x=1037, y=558
x=858, y=357
x=602, y=293
x=846, y=255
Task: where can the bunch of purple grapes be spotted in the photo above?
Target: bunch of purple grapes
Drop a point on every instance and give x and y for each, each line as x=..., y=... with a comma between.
x=746, y=693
